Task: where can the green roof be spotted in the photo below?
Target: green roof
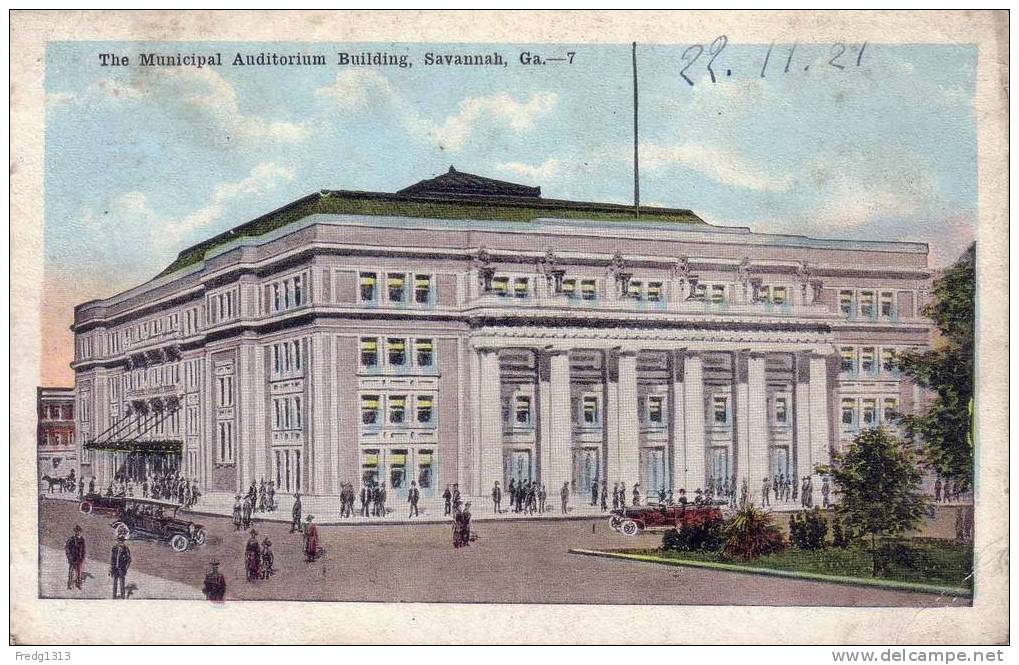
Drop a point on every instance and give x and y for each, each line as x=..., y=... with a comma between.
x=446, y=204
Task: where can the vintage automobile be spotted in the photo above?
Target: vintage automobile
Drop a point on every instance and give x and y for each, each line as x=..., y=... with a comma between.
x=632, y=520
x=102, y=505
x=149, y=519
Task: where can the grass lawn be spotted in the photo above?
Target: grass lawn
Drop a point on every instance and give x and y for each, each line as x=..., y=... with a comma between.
x=920, y=560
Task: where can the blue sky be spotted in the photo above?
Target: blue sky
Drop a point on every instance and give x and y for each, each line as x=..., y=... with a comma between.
x=142, y=162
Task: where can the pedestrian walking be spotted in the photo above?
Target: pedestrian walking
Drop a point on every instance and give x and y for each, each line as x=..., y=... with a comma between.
x=765, y=493
x=564, y=497
x=825, y=491
x=457, y=500
x=238, y=520
x=81, y=488
x=214, y=587
x=594, y=492
x=295, y=514
x=413, y=494
x=272, y=496
x=462, y=526
x=311, y=551
x=661, y=495
x=246, y=508
x=497, y=497
x=542, y=498
x=803, y=492
x=605, y=495
x=937, y=490
x=267, y=560
x=75, y=551
x=447, y=497
x=636, y=494
x=120, y=562
x=365, y=498
x=252, y=557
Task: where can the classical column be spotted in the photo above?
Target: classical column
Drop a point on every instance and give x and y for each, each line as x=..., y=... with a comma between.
x=557, y=448
x=757, y=423
x=320, y=411
x=801, y=397
x=249, y=398
x=490, y=410
x=819, y=431
x=693, y=422
x=677, y=428
x=628, y=440
x=741, y=418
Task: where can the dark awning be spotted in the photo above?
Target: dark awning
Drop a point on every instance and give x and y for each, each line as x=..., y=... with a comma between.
x=138, y=445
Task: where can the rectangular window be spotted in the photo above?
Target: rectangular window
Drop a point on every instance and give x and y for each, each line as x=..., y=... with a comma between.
x=634, y=289
x=591, y=416
x=778, y=295
x=654, y=291
x=369, y=286
x=370, y=409
x=423, y=351
x=718, y=293
x=298, y=291
x=781, y=411
x=887, y=360
x=867, y=359
x=655, y=410
x=846, y=302
x=867, y=303
x=397, y=468
x=569, y=288
x=396, y=285
x=869, y=412
x=424, y=469
x=397, y=409
x=890, y=408
x=397, y=350
x=849, y=412
x=720, y=410
x=422, y=289
x=424, y=409
x=588, y=289
x=521, y=287
x=370, y=466
x=226, y=391
x=500, y=286
x=522, y=410
x=848, y=359
x=887, y=304
x=369, y=352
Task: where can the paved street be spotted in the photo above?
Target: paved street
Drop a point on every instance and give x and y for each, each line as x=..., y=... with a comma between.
x=512, y=562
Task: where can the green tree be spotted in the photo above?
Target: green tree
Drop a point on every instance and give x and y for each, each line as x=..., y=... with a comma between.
x=878, y=483
x=944, y=430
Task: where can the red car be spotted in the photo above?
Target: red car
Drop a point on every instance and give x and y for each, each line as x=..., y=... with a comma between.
x=631, y=521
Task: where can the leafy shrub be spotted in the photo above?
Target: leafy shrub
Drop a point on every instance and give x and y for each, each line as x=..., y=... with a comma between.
x=750, y=533
x=706, y=535
x=808, y=529
x=841, y=536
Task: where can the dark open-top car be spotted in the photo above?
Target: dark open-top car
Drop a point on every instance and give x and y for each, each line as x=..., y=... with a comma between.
x=149, y=519
x=102, y=505
x=632, y=520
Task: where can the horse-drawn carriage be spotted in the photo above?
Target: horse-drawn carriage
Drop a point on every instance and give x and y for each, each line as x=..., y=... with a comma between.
x=60, y=483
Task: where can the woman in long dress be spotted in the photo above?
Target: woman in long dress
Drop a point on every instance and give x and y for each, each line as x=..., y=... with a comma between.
x=252, y=557
x=458, y=528
x=310, y=540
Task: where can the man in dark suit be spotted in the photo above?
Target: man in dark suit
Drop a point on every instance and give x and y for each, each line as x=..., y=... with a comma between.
x=215, y=584
x=448, y=498
x=365, y=499
x=120, y=561
x=295, y=516
x=497, y=497
x=413, y=495
x=75, y=550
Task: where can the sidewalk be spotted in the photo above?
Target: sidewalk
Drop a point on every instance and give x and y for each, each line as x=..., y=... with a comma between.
x=97, y=583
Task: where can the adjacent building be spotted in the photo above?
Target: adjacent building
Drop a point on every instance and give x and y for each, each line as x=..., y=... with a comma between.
x=55, y=442
x=467, y=330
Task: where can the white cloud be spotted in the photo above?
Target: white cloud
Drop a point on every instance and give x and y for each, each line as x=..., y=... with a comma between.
x=359, y=90
x=725, y=166
x=206, y=92
x=543, y=172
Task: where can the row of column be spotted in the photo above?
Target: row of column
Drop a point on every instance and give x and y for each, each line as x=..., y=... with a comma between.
x=688, y=433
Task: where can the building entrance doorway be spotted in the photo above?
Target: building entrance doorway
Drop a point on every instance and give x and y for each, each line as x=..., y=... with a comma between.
x=780, y=464
x=718, y=469
x=586, y=469
x=517, y=466
x=288, y=470
x=653, y=473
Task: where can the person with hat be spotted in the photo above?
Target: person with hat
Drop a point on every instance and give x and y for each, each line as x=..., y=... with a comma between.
x=268, y=559
x=252, y=557
x=295, y=516
x=120, y=561
x=238, y=522
x=765, y=492
x=215, y=584
x=413, y=496
x=248, y=506
x=310, y=540
x=75, y=550
x=564, y=498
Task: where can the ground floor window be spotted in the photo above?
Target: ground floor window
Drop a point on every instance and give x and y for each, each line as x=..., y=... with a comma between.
x=370, y=467
x=397, y=469
x=288, y=469
x=425, y=469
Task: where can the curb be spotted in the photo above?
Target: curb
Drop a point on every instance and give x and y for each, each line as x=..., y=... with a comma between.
x=751, y=570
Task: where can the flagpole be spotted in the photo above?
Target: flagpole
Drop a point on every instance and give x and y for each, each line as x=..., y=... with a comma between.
x=636, y=156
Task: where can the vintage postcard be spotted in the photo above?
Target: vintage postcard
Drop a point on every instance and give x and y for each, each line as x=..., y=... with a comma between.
x=628, y=325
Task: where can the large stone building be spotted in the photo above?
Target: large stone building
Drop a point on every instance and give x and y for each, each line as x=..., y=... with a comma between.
x=55, y=442
x=467, y=330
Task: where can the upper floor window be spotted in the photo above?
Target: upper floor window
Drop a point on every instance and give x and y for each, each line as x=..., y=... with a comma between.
x=369, y=352
x=654, y=410
x=588, y=289
x=423, y=349
x=288, y=293
x=890, y=408
x=370, y=409
x=225, y=391
x=590, y=412
x=887, y=304
x=422, y=289
x=848, y=412
x=846, y=299
x=425, y=412
x=286, y=357
x=396, y=287
x=847, y=357
x=867, y=360
x=396, y=348
x=501, y=285
x=887, y=360
x=521, y=287
x=720, y=410
x=397, y=409
x=867, y=303
x=368, y=286
x=774, y=295
x=781, y=411
x=522, y=410
x=869, y=412
x=649, y=291
x=225, y=450
x=717, y=293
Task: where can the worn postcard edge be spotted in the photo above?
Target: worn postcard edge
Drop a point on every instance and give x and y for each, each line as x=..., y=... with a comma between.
x=35, y=621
